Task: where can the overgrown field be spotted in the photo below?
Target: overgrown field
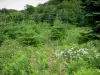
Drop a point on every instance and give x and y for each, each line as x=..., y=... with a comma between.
x=28, y=48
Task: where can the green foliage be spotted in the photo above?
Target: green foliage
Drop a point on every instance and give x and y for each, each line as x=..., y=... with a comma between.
x=48, y=13
x=17, y=17
x=4, y=11
x=37, y=18
x=72, y=34
x=86, y=71
x=88, y=35
x=92, y=14
x=18, y=65
x=35, y=41
x=1, y=39
x=43, y=49
x=73, y=11
x=67, y=11
x=63, y=16
x=7, y=50
x=52, y=44
x=57, y=33
x=74, y=66
x=29, y=9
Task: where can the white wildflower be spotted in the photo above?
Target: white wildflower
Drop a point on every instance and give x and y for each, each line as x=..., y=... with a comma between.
x=98, y=54
x=86, y=49
x=85, y=52
x=57, y=53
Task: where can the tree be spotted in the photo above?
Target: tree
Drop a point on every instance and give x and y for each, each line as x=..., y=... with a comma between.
x=92, y=17
x=37, y=17
x=63, y=16
x=53, y=2
x=93, y=13
x=17, y=17
x=29, y=9
x=4, y=11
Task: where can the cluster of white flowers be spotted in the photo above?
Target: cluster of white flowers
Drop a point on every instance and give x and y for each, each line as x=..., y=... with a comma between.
x=83, y=51
x=76, y=52
x=59, y=53
x=97, y=55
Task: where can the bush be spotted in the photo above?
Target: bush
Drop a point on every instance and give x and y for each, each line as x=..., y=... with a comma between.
x=35, y=41
x=10, y=31
x=57, y=33
x=86, y=71
x=85, y=37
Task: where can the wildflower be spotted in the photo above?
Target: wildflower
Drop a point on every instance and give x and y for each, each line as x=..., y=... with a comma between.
x=85, y=52
x=98, y=54
x=57, y=53
x=69, y=51
x=75, y=57
x=86, y=49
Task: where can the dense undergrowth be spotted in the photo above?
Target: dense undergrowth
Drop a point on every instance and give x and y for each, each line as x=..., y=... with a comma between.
x=42, y=49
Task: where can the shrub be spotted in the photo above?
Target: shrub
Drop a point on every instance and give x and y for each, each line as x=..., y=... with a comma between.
x=86, y=71
x=57, y=33
x=35, y=41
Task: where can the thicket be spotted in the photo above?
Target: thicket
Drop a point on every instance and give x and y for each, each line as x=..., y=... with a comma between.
x=59, y=37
